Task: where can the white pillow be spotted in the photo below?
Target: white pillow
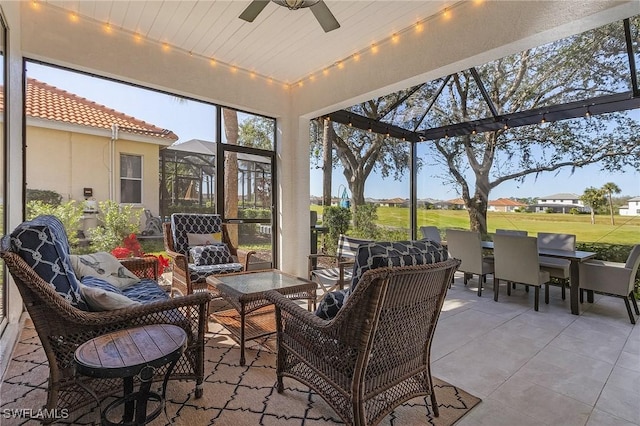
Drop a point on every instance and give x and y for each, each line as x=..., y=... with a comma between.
x=204, y=239
x=100, y=299
x=105, y=266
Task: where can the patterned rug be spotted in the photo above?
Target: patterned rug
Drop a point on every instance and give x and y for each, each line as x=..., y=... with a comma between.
x=233, y=394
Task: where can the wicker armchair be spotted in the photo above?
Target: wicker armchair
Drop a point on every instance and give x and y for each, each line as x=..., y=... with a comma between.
x=62, y=328
x=375, y=354
x=184, y=278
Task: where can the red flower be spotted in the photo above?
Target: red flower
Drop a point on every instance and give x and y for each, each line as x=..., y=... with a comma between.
x=131, y=242
x=163, y=263
x=121, y=252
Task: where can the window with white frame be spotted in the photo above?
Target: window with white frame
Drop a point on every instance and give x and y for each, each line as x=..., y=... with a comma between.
x=130, y=179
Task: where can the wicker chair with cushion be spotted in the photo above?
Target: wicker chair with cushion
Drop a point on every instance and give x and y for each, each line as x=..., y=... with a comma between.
x=375, y=354
x=53, y=297
x=199, y=245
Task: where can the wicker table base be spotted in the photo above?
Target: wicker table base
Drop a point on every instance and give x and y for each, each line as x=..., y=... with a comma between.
x=252, y=315
x=260, y=323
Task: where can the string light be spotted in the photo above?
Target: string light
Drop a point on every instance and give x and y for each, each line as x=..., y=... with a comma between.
x=418, y=27
x=588, y=113
x=544, y=119
x=473, y=132
x=506, y=126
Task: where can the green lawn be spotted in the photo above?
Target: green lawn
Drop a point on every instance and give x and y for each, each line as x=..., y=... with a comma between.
x=625, y=231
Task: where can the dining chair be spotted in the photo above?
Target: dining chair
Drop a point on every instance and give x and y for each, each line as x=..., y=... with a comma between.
x=512, y=232
x=612, y=278
x=431, y=233
x=467, y=247
x=516, y=261
x=557, y=268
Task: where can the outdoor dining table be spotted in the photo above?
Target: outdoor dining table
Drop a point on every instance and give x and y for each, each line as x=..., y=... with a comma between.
x=575, y=257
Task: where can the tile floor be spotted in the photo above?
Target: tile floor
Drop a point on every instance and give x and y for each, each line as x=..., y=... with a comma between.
x=539, y=368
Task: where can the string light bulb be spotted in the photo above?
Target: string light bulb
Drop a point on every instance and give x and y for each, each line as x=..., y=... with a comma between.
x=544, y=119
x=588, y=113
x=473, y=132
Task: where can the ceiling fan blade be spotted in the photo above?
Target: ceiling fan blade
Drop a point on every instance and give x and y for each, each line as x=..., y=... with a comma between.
x=253, y=10
x=324, y=16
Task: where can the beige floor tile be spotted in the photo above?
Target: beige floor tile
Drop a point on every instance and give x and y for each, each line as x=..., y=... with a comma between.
x=600, y=418
x=541, y=403
x=621, y=395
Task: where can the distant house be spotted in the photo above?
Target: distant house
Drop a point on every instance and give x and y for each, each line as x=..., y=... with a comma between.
x=455, y=204
x=430, y=203
x=632, y=209
x=505, y=205
x=394, y=202
x=559, y=203
x=76, y=147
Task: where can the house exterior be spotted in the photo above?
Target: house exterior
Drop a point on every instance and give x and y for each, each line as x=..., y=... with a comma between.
x=632, y=208
x=455, y=204
x=559, y=203
x=505, y=205
x=75, y=145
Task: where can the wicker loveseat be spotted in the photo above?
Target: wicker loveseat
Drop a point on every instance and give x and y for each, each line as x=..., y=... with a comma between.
x=375, y=354
x=62, y=324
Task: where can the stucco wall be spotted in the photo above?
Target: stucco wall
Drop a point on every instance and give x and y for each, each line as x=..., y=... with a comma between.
x=67, y=162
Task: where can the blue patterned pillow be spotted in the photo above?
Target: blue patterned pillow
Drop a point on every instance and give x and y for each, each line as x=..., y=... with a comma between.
x=42, y=243
x=91, y=281
x=101, y=295
x=216, y=254
x=379, y=255
x=396, y=253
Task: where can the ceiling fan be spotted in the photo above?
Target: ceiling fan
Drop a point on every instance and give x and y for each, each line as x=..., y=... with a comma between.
x=318, y=7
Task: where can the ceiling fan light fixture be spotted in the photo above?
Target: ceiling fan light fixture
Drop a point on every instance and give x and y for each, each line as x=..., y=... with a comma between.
x=296, y=4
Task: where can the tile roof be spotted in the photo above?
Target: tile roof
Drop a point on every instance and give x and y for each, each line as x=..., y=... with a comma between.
x=506, y=202
x=50, y=103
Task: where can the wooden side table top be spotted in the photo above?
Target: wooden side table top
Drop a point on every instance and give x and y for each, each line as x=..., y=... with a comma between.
x=123, y=353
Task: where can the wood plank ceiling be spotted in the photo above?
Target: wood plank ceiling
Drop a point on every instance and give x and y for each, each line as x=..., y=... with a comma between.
x=286, y=45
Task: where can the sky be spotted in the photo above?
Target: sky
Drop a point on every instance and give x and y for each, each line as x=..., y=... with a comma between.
x=196, y=120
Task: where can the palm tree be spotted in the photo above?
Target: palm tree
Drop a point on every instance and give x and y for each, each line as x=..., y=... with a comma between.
x=611, y=188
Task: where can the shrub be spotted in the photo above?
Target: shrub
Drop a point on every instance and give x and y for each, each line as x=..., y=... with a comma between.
x=117, y=223
x=337, y=220
x=364, y=221
x=45, y=196
x=69, y=214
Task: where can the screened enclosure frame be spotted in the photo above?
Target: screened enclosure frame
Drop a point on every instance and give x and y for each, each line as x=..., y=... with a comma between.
x=592, y=106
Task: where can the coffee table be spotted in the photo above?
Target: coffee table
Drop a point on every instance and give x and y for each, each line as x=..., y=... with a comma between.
x=252, y=315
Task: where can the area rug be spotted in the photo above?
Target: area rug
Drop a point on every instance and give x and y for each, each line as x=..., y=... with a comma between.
x=233, y=394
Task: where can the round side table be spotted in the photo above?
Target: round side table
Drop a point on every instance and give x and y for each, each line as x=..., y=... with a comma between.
x=134, y=352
